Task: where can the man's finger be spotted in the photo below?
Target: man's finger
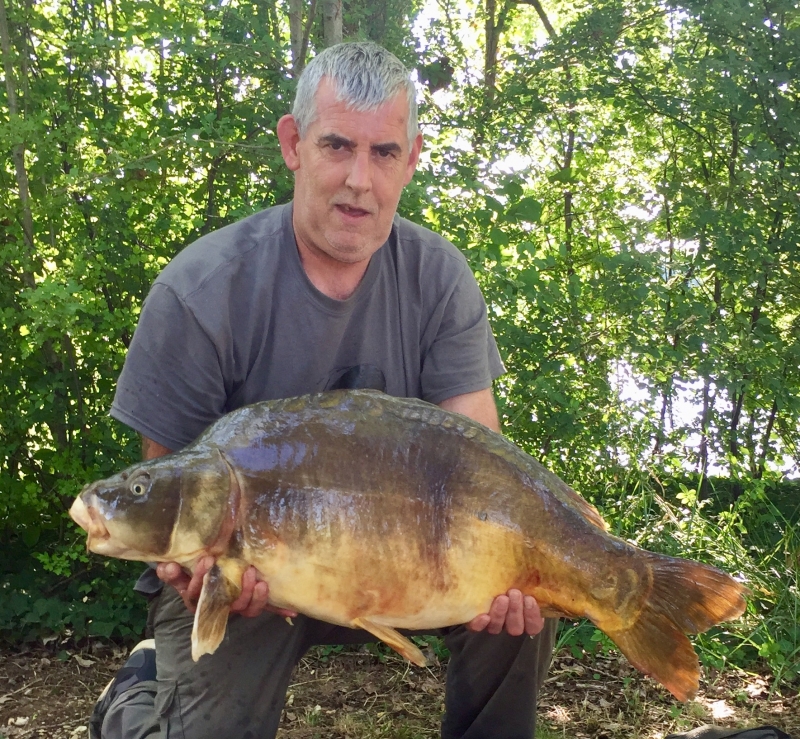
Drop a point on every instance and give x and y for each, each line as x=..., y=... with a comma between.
x=259, y=600
x=172, y=574
x=534, y=622
x=479, y=623
x=515, y=619
x=497, y=614
x=242, y=603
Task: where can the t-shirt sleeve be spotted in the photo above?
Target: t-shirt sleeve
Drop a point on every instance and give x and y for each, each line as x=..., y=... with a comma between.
x=171, y=386
x=462, y=356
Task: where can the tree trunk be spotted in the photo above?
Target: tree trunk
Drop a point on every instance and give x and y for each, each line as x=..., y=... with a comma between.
x=708, y=399
x=18, y=150
x=296, y=35
x=300, y=34
x=495, y=25
x=490, y=53
x=667, y=385
x=762, y=459
x=736, y=415
x=51, y=360
x=332, y=22
x=705, y=420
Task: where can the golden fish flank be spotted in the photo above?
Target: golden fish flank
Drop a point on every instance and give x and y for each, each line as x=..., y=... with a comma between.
x=382, y=513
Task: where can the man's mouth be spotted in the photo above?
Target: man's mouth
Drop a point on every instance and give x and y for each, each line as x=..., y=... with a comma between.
x=351, y=211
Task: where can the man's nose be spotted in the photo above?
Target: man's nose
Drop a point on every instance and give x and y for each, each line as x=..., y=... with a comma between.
x=359, y=178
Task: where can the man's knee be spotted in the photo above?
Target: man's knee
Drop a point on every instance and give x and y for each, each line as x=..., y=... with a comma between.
x=132, y=715
x=125, y=709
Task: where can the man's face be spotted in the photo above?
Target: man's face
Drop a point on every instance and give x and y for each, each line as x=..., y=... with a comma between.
x=350, y=168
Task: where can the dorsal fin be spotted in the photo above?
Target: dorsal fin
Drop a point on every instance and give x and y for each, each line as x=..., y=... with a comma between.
x=590, y=513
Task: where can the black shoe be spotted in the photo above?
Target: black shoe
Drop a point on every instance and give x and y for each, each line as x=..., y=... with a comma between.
x=140, y=666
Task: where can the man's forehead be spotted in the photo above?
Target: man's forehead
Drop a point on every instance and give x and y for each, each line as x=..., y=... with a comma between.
x=329, y=88
x=328, y=103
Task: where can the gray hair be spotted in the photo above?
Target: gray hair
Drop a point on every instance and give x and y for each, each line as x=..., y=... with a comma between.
x=365, y=76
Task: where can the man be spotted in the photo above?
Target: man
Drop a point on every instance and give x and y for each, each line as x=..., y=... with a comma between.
x=332, y=290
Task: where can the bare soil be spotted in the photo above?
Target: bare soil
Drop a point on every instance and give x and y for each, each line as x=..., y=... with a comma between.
x=363, y=693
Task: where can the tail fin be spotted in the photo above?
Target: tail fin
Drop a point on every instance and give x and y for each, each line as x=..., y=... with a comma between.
x=686, y=598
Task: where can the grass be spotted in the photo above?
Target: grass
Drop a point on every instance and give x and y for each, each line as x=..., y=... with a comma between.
x=753, y=540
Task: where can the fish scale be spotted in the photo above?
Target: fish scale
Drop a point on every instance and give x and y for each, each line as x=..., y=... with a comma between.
x=383, y=513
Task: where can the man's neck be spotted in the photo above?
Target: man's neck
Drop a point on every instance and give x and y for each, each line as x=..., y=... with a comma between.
x=337, y=280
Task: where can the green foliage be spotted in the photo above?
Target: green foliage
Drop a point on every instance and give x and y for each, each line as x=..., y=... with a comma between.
x=65, y=594
x=147, y=138
x=434, y=644
x=750, y=538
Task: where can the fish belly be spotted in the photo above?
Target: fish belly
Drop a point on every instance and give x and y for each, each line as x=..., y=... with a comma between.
x=346, y=578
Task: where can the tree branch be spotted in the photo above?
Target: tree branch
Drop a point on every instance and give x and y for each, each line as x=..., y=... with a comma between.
x=762, y=457
x=542, y=16
x=312, y=10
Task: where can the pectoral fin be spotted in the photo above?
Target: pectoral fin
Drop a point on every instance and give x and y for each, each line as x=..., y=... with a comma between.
x=393, y=638
x=211, y=617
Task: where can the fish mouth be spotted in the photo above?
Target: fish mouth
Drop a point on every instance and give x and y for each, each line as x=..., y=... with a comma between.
x=90, y=521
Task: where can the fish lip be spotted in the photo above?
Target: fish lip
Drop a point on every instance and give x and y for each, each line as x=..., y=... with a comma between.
x=90, y=520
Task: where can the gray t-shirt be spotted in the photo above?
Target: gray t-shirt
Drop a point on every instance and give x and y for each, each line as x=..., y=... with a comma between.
x=234, y=319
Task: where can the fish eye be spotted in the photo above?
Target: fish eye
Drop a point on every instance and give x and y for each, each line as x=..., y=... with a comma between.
x=140, y=485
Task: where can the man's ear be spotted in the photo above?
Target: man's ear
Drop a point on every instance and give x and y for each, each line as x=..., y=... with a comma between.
x=413, y=158
x=289, y=138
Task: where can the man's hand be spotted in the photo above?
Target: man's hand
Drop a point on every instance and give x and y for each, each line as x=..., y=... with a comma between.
x=252, y=601
x=512, y=612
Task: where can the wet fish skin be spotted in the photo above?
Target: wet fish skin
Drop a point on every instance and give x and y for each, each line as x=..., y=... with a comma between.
x=382, y=513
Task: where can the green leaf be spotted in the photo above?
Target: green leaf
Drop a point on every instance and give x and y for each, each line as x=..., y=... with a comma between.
x=498, y=236
x=561, y=175
x=30, y=535
x=528, y=209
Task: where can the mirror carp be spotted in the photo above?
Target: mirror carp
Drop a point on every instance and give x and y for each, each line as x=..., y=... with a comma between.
x=382, y=513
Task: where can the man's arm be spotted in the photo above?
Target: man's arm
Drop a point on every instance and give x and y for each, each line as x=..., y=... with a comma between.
x=479, y=406
x=513, y=612
x=152, y=449
x=254, y=598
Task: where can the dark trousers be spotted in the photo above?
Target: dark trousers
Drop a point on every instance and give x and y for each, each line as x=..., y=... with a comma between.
x=238, y=692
